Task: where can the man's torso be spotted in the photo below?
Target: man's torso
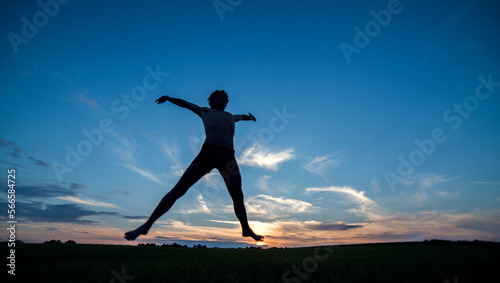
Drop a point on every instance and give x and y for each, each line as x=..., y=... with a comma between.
x=219, y=127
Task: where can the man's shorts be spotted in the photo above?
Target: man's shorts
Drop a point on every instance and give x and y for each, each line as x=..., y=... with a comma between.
x=213, y=156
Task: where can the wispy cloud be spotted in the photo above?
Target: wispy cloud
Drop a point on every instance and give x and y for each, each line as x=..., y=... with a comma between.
x=203, y=204
x=447, y=194
x=484, y=183
x=127, y=193
x=125, y=150
x=363, y=206
x=144, y=173
x=49, y=190
x=359, y=196
x=374, y=185
x=270, y=207
x=260, y=156
x=425, y=182
x=429, y=180
x=136, y=217
x=336, y=226
x=195, y=141
x=213, y=180
x=438, y=224
x=52, y=213
x=199, y=206
x=261, y=206
x=321, y=164
x=15, y=151
x=7, y=143
x=171, y=150
x=88, y=201
x=87, y=100
x=262, y=183
x=40, y=162
x=273, y=187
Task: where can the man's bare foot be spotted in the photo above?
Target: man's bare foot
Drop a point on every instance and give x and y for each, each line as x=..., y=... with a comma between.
x=250, y=233
x=142, y=230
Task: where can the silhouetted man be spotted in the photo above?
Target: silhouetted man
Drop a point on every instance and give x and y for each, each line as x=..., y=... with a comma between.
x=217, y=152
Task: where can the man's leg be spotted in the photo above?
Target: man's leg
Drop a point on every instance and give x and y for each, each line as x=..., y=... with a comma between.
x=192, y=174
x=233, y=184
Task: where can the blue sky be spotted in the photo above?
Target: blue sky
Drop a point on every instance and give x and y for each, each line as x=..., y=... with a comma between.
x=377, y=121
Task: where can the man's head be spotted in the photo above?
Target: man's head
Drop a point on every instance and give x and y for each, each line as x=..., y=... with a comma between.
x=218, y=100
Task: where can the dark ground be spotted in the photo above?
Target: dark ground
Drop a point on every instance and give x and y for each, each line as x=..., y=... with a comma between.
x=432, y=261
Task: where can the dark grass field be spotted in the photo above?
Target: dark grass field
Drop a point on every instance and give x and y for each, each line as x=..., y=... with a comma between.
x=398, y=262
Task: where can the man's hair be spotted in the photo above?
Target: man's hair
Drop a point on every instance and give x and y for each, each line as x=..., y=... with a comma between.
x=217, y=92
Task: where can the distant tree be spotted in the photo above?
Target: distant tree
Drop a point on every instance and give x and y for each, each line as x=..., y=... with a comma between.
x=255, y=248
x=70, y=242
x=199, y=246
x=53, y=242
x=174, y=245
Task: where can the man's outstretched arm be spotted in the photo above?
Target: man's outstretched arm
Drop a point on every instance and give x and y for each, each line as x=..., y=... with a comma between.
x=180, y=102
x=244, y=117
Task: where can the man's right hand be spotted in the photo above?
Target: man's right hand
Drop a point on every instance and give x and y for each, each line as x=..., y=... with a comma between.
x=162, y=99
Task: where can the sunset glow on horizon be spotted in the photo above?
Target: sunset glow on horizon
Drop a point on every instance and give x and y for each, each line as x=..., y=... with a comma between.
x=377, y=121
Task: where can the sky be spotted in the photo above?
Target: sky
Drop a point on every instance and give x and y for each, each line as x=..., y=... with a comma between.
x=377, y=121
